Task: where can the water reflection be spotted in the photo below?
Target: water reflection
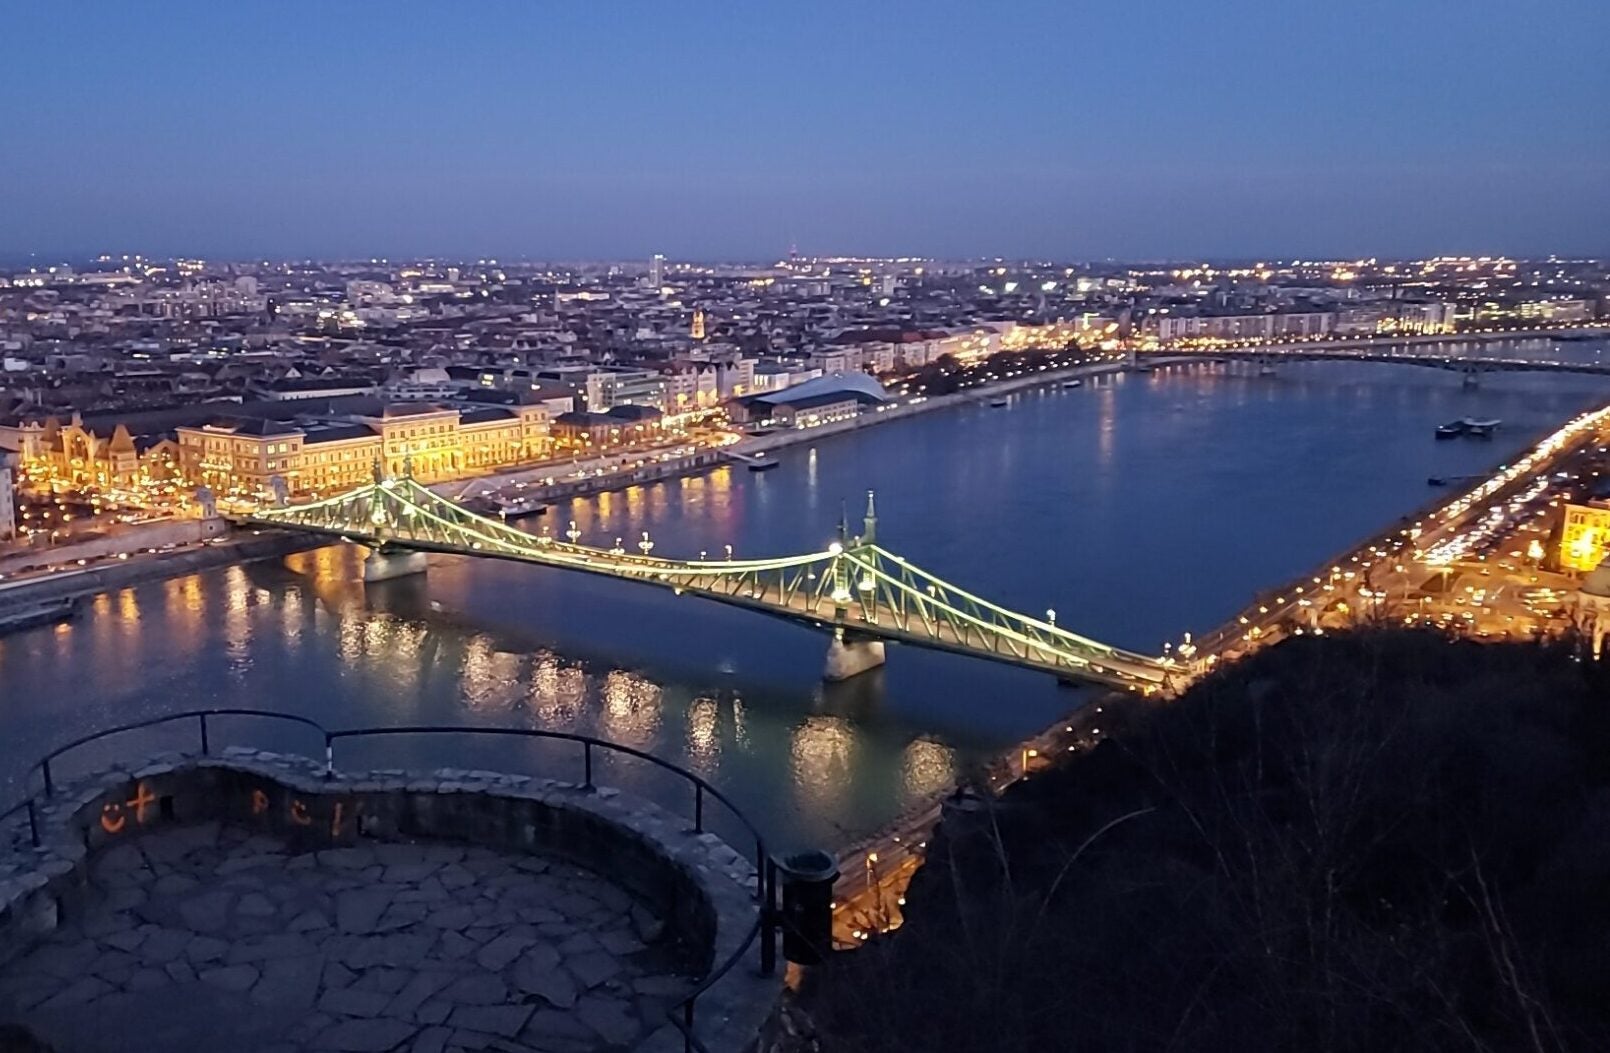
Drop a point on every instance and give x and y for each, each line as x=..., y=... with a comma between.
x=631, y=708
x=823, y=754
x=704, y=738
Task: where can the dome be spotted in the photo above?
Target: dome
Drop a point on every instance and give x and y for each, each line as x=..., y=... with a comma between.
x=832, y=384
x=1597, y=583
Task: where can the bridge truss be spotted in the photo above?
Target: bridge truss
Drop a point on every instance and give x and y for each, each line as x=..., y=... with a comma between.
x=855, y=587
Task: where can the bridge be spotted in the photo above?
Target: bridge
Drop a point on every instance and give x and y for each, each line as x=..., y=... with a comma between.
x=1423, y=353
x=856, y=589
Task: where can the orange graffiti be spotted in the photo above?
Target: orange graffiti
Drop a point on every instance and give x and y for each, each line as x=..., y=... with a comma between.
x=259, y=802
x=299, y=814
x=143, y=798
x=112, y=818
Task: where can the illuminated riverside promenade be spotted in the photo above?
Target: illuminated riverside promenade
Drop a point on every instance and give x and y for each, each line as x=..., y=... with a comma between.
x=1136, y=506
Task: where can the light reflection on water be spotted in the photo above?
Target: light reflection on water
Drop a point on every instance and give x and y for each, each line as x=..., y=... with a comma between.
x=1137, y=507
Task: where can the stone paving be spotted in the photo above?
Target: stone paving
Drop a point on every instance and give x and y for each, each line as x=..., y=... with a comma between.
x=216, y=938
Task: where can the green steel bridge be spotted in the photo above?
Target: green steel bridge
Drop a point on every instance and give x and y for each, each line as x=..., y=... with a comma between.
x=863, y=593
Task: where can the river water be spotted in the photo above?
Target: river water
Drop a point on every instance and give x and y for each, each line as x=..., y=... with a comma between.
x=1138, y=507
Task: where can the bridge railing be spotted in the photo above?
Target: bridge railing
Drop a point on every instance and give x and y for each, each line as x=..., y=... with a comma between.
x=763, y=930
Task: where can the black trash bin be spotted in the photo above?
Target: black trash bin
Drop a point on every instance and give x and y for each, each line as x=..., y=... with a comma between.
x=807, y=880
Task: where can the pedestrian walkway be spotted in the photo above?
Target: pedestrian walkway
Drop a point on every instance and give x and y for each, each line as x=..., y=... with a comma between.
x=208, y=937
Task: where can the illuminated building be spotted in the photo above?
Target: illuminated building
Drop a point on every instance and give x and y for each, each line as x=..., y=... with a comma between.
x=698, y=324
x=656, y=271
x=1261, y=326
x=241, y=458
x=8, y=503
x=608, y=388
x=91, y=458
x=1584, y=537
x=584, y=430
x=1593, y=606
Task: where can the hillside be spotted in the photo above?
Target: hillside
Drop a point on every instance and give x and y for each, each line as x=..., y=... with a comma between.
x=1378, y=841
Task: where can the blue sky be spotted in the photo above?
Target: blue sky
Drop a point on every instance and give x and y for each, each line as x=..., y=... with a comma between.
x=1065, y=129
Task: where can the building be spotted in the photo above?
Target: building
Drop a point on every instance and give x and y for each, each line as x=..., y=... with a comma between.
x=691, y=386
x=1269, y=325
x=92, y=457
x=1584, y=537
x=8, y=500
x=584, y=431
x=609, y=388
x=824, y=400
x=1593, y=607
x=241, y=458
x=818, y=409
x=656, y=272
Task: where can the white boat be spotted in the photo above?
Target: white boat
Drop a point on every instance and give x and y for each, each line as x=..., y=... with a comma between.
x=763, y=462
x=1073, y=383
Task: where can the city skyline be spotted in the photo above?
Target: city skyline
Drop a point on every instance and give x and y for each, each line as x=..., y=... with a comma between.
x=1036, y=133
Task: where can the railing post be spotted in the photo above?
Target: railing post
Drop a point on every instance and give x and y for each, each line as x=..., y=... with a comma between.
x=587, y=765
x=33, y=823
x=329, y=755
x=44, y=769
x=698, y=807
x=206, y=747
x=687, y=1025
x=766, y=878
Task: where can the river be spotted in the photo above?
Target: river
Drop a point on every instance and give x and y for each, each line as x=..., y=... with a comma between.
x=1137, y=506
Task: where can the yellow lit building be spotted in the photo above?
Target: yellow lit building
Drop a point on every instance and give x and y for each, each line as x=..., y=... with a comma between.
x=1585, y=537
x=75, y=457
x=241, y=458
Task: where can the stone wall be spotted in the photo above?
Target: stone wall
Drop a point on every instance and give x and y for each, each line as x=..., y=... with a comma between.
x=702, y=887
x=129, y=539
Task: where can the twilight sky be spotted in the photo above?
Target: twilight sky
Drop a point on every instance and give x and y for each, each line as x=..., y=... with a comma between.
x=1051, y=128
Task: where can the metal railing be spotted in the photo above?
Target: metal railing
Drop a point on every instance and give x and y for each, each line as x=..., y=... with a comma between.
x=763, y=930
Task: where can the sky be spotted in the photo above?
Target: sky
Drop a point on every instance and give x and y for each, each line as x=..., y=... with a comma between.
x=1056, y=129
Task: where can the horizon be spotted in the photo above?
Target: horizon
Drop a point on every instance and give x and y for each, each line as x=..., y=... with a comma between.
x=44, y=262
x=1242, y=131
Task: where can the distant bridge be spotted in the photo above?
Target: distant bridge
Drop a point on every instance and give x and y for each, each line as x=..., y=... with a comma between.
x=859, y=590
x=1423, y=354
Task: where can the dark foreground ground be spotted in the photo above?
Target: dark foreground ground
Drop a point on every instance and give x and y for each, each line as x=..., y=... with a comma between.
x=1379, y=841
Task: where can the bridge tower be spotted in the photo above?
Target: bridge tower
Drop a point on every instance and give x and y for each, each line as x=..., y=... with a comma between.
x=387, y=561
x=849, y=653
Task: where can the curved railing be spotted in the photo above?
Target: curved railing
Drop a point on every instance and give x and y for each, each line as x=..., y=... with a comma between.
x=763, y=930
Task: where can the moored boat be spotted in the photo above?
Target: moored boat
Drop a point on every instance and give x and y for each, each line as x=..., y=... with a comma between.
x=764, y=462
x=514, y=507
x=1452, y=430
x=33, y=615
x=1075, y=383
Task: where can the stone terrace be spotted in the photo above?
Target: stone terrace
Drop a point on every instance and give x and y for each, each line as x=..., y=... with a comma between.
x=215, y=937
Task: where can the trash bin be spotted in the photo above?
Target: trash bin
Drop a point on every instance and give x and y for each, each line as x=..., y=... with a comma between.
x=807, y=880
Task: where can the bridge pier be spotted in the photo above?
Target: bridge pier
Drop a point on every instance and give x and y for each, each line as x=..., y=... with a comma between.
x=383, y=564
x=851, y=657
